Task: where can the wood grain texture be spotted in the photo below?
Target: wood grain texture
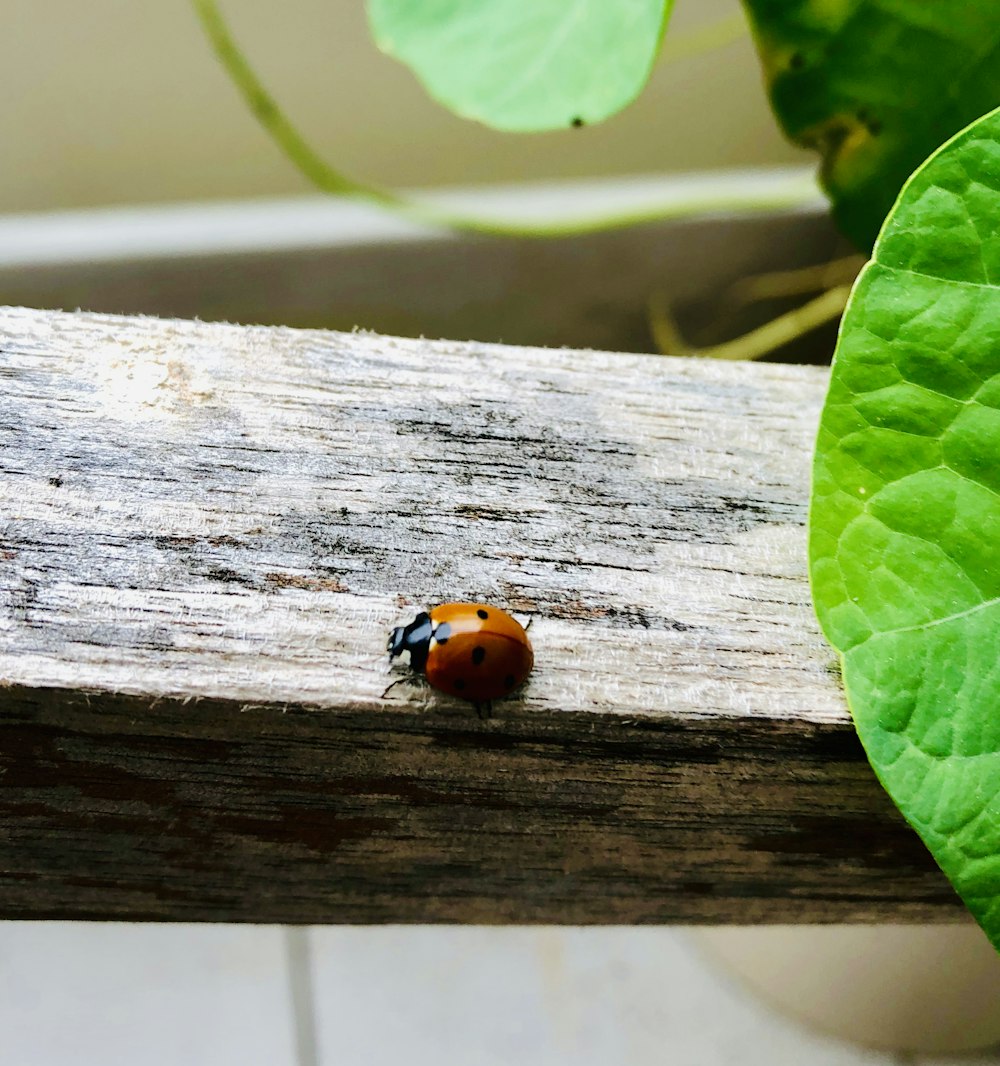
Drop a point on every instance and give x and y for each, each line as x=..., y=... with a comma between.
x=207, y=531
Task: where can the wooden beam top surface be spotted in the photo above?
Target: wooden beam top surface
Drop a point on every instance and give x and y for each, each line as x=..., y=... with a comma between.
x=197, y=510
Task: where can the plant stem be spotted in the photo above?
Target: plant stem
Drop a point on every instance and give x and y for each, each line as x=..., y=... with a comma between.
x=794, y=193
x=758, y=342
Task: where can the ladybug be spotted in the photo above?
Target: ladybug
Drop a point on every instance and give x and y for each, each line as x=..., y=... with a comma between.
x=470, y=650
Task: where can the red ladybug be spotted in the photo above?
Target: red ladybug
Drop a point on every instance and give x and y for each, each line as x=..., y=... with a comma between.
x=470, y=650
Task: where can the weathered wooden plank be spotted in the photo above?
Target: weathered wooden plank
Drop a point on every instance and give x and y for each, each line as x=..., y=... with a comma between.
x=207, y=531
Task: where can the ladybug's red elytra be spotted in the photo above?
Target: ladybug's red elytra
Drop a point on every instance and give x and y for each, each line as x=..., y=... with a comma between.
x=471, y=650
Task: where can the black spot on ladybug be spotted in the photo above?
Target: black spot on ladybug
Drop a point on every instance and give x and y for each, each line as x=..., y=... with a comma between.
x=577, y=122
x=459, y=683
x=478, y=654
x=509, y=680
x=482, y=613
x=442, y=633
x=796, y=61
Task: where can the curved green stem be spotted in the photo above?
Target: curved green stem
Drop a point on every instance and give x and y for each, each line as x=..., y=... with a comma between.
x=331, y=180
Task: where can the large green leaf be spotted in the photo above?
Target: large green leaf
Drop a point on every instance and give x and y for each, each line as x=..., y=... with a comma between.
x=876, y=86
x=525, y=64
x=905, y=520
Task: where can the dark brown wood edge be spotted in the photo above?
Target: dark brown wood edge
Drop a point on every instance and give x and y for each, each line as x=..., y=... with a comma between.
x=122, y=807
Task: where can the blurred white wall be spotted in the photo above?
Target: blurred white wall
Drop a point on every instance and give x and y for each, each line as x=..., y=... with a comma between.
x=115, y=101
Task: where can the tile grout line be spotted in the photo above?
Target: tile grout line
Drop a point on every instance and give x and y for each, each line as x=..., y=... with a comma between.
x=301, y=994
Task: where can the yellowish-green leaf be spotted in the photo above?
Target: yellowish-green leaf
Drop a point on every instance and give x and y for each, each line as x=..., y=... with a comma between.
x=875, y=86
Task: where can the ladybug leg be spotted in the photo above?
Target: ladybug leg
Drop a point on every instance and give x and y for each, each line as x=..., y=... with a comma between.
x=398, y=681
x=528, y=626
x=484, y=710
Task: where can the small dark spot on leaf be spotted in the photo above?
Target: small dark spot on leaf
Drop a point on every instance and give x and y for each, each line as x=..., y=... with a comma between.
x=796, y=61
x=478, y=654
x=577, y=122
x=873, y=125
x=482, y=613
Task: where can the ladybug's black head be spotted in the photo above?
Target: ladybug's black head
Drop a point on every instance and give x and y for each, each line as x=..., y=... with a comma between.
x=397, y=642
x=414, y=638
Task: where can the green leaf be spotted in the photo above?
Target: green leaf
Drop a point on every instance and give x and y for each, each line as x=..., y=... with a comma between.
x=905, y=519
x=875, y=86
x=525, y=66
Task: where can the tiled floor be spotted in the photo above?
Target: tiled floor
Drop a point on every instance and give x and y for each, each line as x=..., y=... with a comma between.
x=80, y=994
x=151, y=995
